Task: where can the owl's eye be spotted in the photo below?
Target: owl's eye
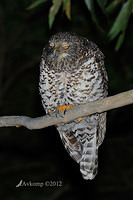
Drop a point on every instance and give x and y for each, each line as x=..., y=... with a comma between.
x=66, y=47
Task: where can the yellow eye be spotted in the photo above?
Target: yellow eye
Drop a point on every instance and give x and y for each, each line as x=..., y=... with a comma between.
x=52, y=46
x=66, y=47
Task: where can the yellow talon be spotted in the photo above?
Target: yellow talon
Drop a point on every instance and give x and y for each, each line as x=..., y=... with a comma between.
x=69, y=106
x=62, y=108
x=58, y=124
x=80, y=118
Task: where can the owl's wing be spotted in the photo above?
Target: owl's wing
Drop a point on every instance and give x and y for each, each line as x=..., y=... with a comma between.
x=71, y=143
x=101, y=128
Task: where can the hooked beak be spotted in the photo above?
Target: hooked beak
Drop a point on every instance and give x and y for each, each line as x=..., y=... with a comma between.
x=56, y=51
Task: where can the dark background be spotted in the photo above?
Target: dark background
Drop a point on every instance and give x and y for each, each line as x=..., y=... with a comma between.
x=38, y=155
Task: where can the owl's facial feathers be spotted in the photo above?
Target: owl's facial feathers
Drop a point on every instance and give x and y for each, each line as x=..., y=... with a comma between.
x=69, y=43
x=63, y=43
x=68, y=51
x=52, y=45
x=58, y=49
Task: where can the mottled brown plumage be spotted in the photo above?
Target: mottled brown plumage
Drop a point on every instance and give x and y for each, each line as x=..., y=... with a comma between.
x=71, y=73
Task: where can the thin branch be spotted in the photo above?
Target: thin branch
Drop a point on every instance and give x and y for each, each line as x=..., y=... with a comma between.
x=99, y=106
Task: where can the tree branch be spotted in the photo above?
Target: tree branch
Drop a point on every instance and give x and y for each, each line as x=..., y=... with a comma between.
x=99, y=106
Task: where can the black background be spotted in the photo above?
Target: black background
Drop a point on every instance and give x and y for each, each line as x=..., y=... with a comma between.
x=38, y=155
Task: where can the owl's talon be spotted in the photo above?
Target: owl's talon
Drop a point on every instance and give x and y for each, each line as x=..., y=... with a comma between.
x=80, y=119
x=64, y=112
x=61, y=110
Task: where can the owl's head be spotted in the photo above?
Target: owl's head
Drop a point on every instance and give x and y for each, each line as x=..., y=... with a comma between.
x=64, y=44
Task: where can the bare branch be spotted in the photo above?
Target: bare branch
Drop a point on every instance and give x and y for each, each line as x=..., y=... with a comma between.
x=106, y=104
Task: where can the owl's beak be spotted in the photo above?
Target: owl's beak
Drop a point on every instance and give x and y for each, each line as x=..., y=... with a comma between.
x=57, y=48
x=57, y=51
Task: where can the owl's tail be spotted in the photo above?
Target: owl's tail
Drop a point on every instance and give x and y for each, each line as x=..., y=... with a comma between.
x=89, y=162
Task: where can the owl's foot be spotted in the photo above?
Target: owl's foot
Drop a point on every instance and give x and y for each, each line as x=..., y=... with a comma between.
x=64, y=108
x=61, y=110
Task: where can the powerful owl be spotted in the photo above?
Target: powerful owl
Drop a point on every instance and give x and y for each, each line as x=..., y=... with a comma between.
x=71, y=73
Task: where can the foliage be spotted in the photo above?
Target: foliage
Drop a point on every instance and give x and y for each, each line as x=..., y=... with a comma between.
x=54, y=8
x=120, y=23
x=117, y=27
x=35, y=4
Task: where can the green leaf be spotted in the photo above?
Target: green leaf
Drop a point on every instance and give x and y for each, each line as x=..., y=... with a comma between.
x=91, y=8
x=102, y=4
x=65, y=3
x=112, y=6
x=35, y=4
x=67, y=8
x=53, y=11
x=120, y=24
x=88, y=4
x=120, y=41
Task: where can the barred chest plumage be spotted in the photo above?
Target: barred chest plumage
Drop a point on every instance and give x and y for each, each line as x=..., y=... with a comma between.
x=66, y=87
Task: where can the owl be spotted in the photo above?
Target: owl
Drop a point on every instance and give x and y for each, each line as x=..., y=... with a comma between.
x=72, y=73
